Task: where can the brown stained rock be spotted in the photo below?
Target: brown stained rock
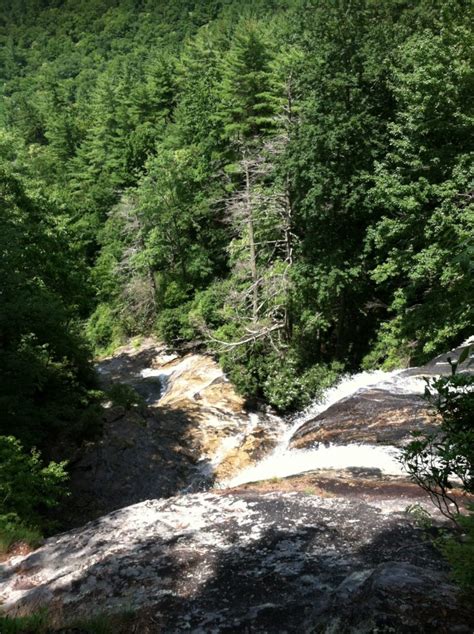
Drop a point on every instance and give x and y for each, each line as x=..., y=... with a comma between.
x=373, y=417
x=364, y=485
x=194, y=429
x=16, y=549
x=255, y=445
x=198, y=379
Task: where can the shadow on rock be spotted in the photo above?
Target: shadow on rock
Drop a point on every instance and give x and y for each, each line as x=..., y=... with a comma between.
x=305, y=581
x=253, y=562
x=123, y=367
x=139, y=457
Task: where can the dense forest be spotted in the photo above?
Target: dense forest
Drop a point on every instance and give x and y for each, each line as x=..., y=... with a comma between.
x=285, y=183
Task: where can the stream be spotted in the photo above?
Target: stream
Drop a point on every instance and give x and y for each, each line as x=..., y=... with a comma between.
x=197, y=434
x=285, y=461
x=333, y=550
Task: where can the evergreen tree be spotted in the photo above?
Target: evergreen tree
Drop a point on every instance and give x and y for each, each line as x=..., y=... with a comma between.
x=423, y=188
x=294, y=178
x=44, y=365
x=245, y=111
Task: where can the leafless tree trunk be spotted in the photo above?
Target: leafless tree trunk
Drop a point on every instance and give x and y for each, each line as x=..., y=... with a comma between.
x=253, y=253
x=262, y=213
x=139, y=287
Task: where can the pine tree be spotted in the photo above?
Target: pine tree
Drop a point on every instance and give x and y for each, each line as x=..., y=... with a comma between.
x=245, y=109
x=423, y=189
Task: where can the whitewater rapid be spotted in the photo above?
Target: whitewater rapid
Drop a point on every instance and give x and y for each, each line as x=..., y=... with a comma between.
x=285, y=461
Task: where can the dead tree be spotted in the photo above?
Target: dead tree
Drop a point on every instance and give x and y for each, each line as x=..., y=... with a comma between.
x=137, y=280
x=262, y=251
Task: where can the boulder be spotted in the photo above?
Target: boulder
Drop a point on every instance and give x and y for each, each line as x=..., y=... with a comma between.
x=394, y=597
x=374, y=416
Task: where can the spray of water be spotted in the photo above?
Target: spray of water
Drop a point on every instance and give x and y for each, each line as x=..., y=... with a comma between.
x=284, y=461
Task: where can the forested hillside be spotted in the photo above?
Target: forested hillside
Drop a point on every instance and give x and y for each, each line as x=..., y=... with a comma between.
x=286, y=183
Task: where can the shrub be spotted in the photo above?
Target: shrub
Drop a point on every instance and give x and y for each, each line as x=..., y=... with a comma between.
x=460, y=552
x=435, y=460
x=13, y=531
x=103, y=330
x=125, y=396
x=27, y=487
x=390, y=350
x=288, y=388
x=173, y=325
x=281, y=381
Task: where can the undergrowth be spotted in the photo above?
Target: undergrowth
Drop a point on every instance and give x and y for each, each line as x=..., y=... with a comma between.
x=12, y=532
x=45, y=622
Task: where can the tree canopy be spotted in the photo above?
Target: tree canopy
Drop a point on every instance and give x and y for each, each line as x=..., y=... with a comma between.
x=285, y=182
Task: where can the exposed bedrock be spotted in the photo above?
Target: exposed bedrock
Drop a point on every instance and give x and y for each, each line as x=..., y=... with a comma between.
x=194, y=430
x=373, y=416
x=330, y=549
x=245, y=562
x=386, y=413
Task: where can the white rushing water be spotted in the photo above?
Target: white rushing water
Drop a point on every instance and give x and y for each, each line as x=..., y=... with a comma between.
x=283, y=461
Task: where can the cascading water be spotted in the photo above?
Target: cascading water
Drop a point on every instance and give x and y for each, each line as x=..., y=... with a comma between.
x=285, y=461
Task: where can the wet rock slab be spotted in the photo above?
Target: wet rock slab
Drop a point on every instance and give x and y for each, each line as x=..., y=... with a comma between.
x=374, y=416
x=245, y=562
x=195, y=429
x=379, y=415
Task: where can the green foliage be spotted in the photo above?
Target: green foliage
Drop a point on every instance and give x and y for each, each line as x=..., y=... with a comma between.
x=244, y=108
x=420, y=515
x=391, y=349
x=38, y=623
x=421, y=186
x=173, y=325
x=435, y=460
x=46, y=622
x=26, y=487
x=46, y=378
x=13, y=531
x=103, y=329
x=262, y=373
x=131, y=128
x=125, y=396
x=26, y=482
x=289, y=388
x=445, y=459
x=460, y=552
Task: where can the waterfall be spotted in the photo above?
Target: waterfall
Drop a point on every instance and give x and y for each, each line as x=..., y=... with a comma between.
x=285, y=461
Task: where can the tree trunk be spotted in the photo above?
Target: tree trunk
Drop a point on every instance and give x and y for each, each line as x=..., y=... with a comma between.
x=288, y=223
x=253, y=254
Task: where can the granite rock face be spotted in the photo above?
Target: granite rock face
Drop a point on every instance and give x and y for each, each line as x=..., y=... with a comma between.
x=374, y=416
x=383, y=414
x=328, y=551
x=244, y=562
x=194, y=430
x=394, y=597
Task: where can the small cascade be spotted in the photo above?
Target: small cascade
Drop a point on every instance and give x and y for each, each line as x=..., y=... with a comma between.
x=393, y=382
x=285, y=461
x=228, y=446
x=161, y=375
x=229, y=443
